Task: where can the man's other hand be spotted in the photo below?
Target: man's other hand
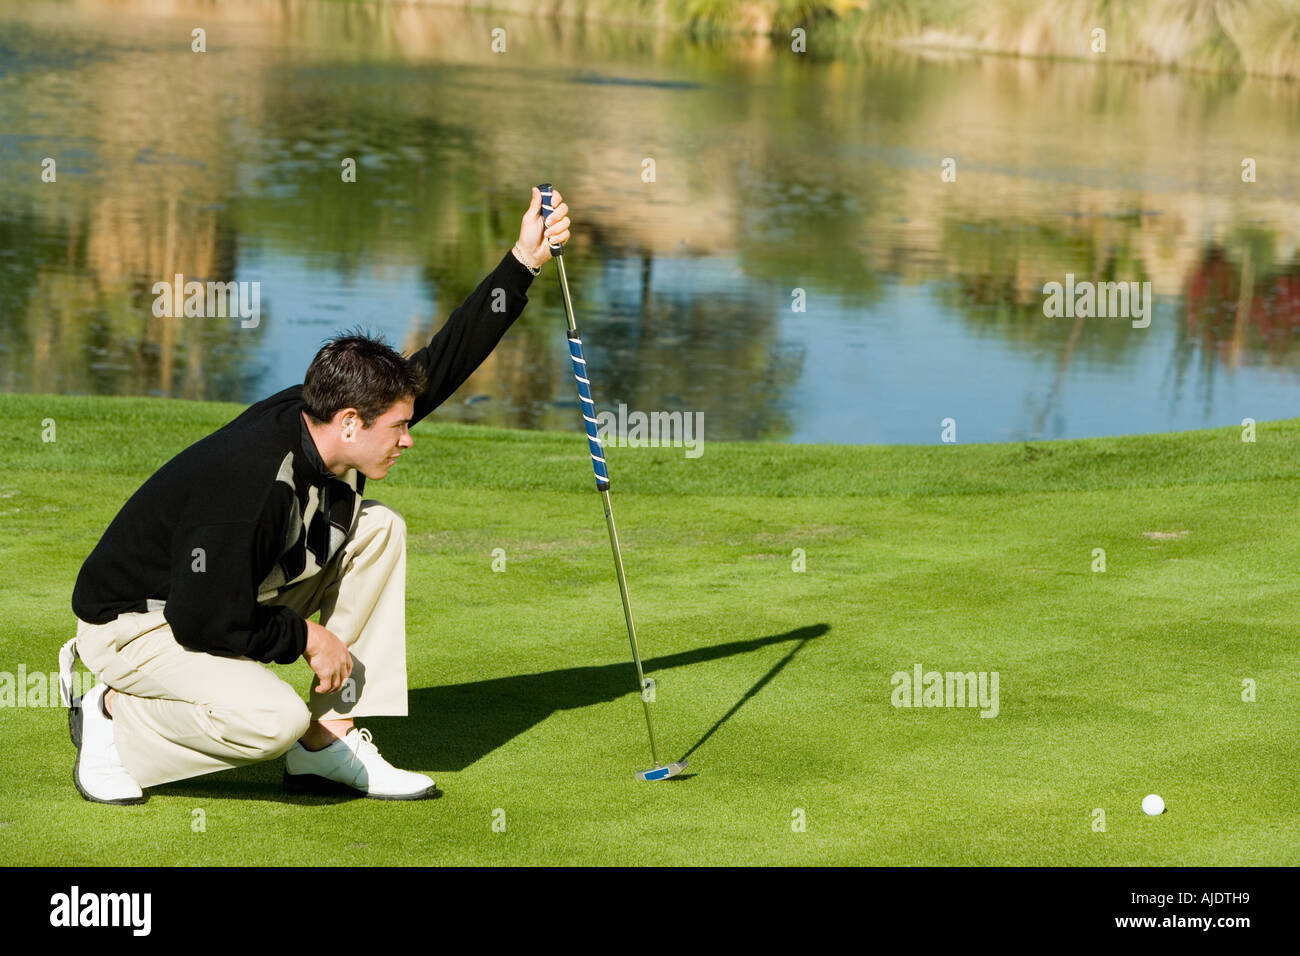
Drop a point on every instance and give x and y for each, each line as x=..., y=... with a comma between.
x=328, y=658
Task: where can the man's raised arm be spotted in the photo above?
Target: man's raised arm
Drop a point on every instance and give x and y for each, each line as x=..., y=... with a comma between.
x=474, y=329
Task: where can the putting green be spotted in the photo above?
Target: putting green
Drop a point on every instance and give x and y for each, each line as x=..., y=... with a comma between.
x=777, y=684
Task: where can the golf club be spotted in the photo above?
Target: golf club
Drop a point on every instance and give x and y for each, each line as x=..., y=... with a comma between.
x=644, y=686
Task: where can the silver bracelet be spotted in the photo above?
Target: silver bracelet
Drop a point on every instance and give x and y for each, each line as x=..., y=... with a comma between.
x=524, y=263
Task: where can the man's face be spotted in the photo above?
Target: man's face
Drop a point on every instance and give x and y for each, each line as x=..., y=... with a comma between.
x=372, y=451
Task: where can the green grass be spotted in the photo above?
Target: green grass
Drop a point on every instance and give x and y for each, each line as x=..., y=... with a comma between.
x=1112, y=685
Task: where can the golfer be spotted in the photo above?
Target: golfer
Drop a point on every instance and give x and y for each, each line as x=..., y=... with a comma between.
x=215, y=564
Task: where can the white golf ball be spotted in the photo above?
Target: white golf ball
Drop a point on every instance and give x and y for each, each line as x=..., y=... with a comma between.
x=1152, y=805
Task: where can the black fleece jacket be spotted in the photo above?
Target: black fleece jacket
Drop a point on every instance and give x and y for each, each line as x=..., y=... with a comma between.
x=250, y=509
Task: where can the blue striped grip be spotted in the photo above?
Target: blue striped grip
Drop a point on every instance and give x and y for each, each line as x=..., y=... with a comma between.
x=547, y=209
x=588, y=411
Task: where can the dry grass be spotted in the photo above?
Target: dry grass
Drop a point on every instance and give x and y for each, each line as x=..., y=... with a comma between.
x=1233, y=36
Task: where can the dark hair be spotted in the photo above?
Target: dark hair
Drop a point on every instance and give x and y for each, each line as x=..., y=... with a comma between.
x=355, y=370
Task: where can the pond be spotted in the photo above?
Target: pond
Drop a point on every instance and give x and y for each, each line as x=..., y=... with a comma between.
x=797, y=248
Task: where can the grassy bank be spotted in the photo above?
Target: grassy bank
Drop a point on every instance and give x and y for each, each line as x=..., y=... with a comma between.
x=1248, y=36
x=776, y=682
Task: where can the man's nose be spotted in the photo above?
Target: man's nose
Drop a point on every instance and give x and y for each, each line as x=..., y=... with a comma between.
x=406, y=441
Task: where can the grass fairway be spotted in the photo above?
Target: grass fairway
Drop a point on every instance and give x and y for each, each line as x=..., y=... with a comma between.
x=778, y=683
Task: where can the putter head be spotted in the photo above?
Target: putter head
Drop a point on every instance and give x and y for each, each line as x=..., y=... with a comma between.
x=662, y=773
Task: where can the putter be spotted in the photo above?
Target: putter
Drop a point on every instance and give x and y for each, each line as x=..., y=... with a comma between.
x=645, y=687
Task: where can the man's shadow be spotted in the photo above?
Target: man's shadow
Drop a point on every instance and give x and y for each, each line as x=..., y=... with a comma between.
x=451, y=727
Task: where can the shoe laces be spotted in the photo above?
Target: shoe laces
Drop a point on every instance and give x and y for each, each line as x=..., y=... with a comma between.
x=366, y=742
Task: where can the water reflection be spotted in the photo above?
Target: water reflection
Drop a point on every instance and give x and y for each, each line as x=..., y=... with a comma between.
x=780, y=182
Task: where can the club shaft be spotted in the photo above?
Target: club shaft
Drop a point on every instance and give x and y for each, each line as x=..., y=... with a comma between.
x=618, y=555
x=631, y=627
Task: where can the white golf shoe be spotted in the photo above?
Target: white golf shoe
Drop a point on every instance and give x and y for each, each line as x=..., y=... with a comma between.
x=98, y=772
x=353, y=764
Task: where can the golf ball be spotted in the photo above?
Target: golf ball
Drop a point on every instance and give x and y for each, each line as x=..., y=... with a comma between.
x=1152, y=805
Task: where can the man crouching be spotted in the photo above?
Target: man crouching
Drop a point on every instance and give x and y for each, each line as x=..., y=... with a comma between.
x=213, y=566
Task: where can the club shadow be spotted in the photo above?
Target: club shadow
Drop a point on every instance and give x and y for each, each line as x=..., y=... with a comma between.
x=751, y=693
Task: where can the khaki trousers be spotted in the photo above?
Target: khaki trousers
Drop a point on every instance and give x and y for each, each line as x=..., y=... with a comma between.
x=182, y=713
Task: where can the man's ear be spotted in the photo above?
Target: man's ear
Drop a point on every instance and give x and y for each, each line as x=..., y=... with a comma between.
x=349, y=420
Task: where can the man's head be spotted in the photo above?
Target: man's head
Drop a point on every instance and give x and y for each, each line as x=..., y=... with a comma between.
x=359, y=398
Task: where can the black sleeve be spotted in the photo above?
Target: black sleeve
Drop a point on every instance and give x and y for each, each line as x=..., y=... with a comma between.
x=471, y=333
x=212, y=604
